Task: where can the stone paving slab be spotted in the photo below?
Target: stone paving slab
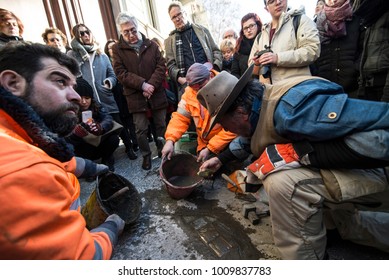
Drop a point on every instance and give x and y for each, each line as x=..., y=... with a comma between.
x=209, y=224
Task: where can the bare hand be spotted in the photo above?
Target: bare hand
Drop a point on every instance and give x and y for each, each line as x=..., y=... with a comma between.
x=213, y=164
x=203, y=155
x=168, y=149
x=267, y=58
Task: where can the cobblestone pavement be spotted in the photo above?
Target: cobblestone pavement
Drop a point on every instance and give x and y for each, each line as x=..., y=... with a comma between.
x=209, y=224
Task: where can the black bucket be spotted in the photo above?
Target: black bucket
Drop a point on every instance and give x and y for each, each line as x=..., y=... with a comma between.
x=113, y=194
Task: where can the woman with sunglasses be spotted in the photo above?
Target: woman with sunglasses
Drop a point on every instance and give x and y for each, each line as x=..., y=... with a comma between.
x=97, y=70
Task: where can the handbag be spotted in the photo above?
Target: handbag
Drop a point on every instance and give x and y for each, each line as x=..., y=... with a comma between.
x=95, y=140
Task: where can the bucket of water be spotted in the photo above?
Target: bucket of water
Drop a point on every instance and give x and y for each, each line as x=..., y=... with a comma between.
x=180, y=175
x=113, y=194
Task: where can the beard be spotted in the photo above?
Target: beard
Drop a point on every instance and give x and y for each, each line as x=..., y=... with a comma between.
x=58, y=120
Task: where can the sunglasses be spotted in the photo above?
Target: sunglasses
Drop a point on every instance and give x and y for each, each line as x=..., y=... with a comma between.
x=82, y=33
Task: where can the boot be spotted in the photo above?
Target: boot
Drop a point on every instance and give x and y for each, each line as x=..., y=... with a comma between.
x=131, y=153
x=146, y=165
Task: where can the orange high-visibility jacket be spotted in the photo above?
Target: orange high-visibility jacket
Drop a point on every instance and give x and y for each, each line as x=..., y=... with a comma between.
x=189, y=107
x=38, y=195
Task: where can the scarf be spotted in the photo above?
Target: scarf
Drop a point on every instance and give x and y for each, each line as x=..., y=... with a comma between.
x=246, y=45
x=6, y=39
x=136, y=46
x=331, y=21
x=179, y=49
x=55, y=146
x=83, y=50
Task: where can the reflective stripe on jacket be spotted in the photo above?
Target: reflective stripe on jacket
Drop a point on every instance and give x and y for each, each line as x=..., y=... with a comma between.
x=189, y=107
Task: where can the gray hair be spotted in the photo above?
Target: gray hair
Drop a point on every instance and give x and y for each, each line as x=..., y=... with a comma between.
x=124, y=17
x=175, y=4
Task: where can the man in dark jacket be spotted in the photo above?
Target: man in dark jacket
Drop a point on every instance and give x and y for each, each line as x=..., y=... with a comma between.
x=140, y=68
x=188, y=43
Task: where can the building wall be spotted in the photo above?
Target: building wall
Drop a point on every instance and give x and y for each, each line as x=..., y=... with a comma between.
x=32, y=14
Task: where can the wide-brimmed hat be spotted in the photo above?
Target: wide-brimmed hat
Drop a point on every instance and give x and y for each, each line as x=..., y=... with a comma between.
x=220, y=92
x=198, y=73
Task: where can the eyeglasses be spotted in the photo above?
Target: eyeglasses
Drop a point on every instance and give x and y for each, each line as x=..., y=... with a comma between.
x=133, y=31
x=82, y=33
x=270, y=2
x=251, y=26
x=177, y=16
x=54, y=39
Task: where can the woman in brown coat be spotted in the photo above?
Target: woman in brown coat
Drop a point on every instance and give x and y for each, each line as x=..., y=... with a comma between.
x=140, y=67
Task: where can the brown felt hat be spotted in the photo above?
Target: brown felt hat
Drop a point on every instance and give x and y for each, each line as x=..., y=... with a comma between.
x=220, y=92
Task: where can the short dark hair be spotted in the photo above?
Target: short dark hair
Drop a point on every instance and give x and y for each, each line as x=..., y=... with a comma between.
x=247, y=96
x=25, y=58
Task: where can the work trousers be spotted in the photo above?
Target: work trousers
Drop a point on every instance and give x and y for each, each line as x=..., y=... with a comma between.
x=298, y=200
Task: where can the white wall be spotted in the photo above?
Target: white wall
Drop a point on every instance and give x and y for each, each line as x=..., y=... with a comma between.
x=32, y=14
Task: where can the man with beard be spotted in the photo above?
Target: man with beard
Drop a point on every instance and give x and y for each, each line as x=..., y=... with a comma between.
x=188, y=43
x=39, y=201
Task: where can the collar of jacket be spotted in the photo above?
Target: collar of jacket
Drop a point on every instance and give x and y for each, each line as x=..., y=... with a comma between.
x=34, y=126
x=187, y=26
x=124, y=45
x=5, y=38
x=284, y=18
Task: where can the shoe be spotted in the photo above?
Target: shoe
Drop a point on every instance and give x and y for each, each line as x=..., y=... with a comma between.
x=110, y=162
x=150, y=138
x=146, y=164
x=160, y=143
x=131, y=153
x=135, y=147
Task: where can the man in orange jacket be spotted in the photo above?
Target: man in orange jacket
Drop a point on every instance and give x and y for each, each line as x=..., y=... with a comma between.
x=39, y=199
x=189, y=108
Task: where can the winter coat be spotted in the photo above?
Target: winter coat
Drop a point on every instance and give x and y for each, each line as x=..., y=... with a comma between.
x=241, y=57
x=39, y=202
x=312, y=108
x=211, y=50
x=295, y=53
x=315, y=109
x=190, y=108
x=374, y=68
x=339, y=59
x=97, y=75
x=133, y=69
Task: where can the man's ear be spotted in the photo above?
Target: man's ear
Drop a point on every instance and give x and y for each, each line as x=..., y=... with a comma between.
x=13, y=82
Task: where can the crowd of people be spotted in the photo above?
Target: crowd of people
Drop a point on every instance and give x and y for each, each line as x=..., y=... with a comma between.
x=306, y=98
